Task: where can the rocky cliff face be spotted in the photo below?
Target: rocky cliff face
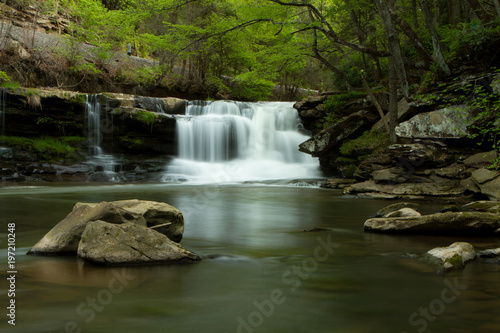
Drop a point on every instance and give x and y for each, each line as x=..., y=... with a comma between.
x=437, y=153
x=138, y=130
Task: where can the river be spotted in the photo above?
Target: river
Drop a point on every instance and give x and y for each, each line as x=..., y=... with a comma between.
x=260, y=272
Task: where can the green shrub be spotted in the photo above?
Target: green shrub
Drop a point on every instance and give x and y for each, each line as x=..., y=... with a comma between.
x=339, y=101
x=4, y=77
x=367, y=143
x=46, y=148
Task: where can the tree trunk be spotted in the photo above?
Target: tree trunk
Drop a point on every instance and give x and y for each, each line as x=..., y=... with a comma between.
x=414, y=39
x=436, y=44
x=355, y=20
x=414, y=13
x=497, y=7
x=479, y=11
x=394, y=45
x=367, y=88
x=454, y=12
x=393, y=100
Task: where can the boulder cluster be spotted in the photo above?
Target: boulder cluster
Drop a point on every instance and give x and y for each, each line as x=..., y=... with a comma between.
x=476, y=218
x=119, y=233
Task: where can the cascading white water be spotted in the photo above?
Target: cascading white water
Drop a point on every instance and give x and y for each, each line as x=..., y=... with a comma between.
x=97, y=157
x=227, y=141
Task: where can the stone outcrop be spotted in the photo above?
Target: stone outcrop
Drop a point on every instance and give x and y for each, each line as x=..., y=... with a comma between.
x=168, y=105
x=329, y=139
x=140, y=140
x=119, y=232
x=453, y=257
x=448, y=123
x=125, y=244
x=440, y=223
x=426, y=169
x=488, y=183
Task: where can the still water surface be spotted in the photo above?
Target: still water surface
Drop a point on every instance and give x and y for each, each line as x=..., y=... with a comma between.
x=260, y=273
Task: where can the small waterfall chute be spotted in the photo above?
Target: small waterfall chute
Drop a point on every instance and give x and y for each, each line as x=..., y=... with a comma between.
x=104, y=164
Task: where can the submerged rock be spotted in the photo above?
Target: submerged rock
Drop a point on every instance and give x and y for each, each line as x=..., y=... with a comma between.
x=128, y=243
x=452, y=257
x=491, y=253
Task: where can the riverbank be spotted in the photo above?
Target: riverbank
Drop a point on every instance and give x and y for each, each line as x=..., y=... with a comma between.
x=446, y=141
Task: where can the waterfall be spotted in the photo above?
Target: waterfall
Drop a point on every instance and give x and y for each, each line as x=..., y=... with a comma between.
x=105, y=163
x=227, y=141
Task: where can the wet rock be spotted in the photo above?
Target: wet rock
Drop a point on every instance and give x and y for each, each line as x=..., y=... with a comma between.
x=169, y=105
x=439, y=223
x=452, y=257
x=408, y=158
x=338, y=183
x=448, y=123
x=125, y=244
x=323, y=142
x=395, y=207
x=491, y=253
x=309, y=103
x=65, y=236
x=482, y=206
x=491, y=189
x=470, y=185
x=404, y=190
x=404, y=212
x=483, y=175
x=483, y=159
x=160, y=216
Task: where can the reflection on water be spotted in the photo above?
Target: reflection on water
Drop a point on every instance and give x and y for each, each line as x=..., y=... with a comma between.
x=260, y=272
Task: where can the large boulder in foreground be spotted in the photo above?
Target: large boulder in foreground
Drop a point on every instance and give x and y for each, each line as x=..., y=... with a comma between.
x=439, y=223
x=65, y=236
x=160, y=216
x=128, y=243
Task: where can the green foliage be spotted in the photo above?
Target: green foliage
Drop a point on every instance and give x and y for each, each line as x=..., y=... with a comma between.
x=250, y=86
x=335, y=103
x=469, y=38
x=367, y=143
x=339, y=101
x=4, y=78
x=145, y=117
x=484, y=109
x=46, y=148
